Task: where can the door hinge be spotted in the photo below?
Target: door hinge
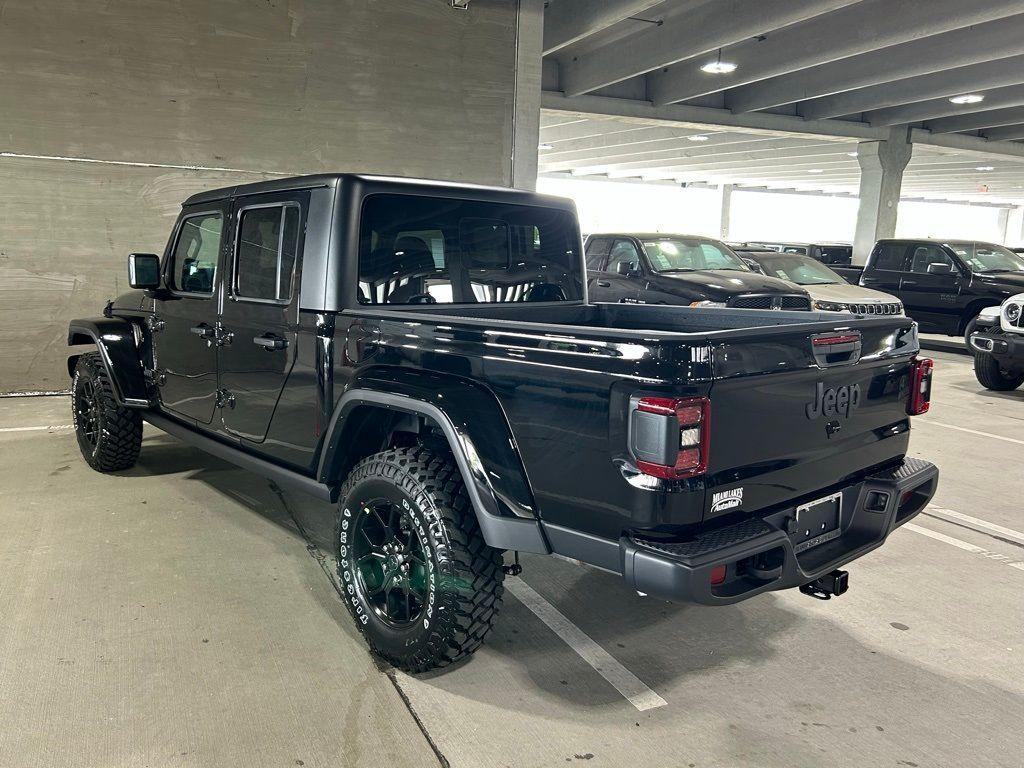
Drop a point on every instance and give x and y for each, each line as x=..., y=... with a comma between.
x=225, y=399
x=155, y=323
x=223, y=336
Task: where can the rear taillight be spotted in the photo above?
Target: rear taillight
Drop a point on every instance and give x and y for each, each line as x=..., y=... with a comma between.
x=670, y=437
x=920, y=385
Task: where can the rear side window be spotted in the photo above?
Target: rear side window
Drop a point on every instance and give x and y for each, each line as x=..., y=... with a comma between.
x=194, y=262
x=424, y=250
x=889, y=256
x=597, y=252
x=268, y=238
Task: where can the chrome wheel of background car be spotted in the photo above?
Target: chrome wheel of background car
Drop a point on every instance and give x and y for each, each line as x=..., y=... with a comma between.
x=87, y=411
x=390, y=563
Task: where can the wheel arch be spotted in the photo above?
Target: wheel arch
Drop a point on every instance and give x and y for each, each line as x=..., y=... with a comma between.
x=475, y=430
x=114, y=339
x=972, y=311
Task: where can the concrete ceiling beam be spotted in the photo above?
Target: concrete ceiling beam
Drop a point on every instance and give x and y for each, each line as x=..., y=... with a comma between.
x=855, y=29
x=569, y=21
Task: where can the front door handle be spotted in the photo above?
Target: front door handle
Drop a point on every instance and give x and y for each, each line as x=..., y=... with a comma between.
x=270, y=342
x=603, y=284
x=909, y=282
x=203, y=331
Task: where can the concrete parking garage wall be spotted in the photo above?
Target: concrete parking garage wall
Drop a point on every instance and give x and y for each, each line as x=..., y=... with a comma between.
x=240, y=90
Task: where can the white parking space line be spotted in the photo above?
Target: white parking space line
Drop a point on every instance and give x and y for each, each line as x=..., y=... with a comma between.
x=624, y=681
x=37, y=429
x=966, y=546
x=959, y=517
x=971, y=431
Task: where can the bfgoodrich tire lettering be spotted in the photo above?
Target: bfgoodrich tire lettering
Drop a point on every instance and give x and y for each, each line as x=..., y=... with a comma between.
x=109, y=435
x=405, y=525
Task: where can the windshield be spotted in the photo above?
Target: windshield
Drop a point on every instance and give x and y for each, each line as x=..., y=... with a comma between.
x=673, y=254
x=985, y=257
x=802, y=270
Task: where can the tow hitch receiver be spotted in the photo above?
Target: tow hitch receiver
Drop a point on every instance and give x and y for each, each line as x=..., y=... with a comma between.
x=823, y=588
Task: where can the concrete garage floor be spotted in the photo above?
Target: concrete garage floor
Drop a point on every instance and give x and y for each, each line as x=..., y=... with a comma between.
x=173, y=615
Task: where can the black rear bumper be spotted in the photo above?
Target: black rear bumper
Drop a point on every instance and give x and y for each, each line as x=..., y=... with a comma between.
x=758, y=553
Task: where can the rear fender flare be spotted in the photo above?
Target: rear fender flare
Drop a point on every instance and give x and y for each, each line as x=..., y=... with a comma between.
x=478, y=434
x=114, y=338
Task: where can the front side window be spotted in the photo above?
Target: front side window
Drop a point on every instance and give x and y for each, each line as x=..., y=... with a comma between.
x=624, y=257
x=928, y=254
x=676, y=254
x=193, y=266
x=268, y=239
x=985, y=257
x=424, y=250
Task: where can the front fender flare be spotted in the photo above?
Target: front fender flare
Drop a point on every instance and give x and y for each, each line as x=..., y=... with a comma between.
x=478, y=435
x=115, y=341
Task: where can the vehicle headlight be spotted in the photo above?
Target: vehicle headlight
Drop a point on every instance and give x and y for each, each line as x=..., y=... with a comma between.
x=1012, y=312
x=831, y=306
x=707, y=303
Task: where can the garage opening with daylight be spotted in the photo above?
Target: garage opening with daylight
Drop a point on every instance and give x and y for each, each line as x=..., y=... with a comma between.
x=511, y=382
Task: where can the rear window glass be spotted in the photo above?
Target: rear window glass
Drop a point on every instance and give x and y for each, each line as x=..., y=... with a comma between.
x=837, y=254
x=423, y=250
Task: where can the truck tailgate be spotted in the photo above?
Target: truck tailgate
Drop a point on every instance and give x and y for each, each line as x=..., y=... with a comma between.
x=791, y=418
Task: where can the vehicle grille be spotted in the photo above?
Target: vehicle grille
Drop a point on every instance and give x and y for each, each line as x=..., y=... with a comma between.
x=755, y=301
x=875, y=309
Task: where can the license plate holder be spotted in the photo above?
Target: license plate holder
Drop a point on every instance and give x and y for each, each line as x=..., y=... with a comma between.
x=817, y=522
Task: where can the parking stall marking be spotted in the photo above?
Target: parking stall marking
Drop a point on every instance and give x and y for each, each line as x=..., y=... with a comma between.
x=982, y=526
x=51, y=428
x=966, y=546
x=971, y=431
x=624, y=681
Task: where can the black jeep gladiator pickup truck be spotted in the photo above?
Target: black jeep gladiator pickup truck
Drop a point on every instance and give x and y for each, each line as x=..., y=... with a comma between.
x=424, y=355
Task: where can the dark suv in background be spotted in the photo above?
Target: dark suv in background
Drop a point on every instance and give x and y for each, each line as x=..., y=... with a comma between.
x=826, y=253
x=681, y=269
x=944, y=284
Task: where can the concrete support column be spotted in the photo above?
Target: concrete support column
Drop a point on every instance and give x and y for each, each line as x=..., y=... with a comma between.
x=1011, y=223
x=526, y=103
x=881, y=177
x=725, y=210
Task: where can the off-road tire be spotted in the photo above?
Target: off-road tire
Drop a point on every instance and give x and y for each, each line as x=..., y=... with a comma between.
x=112, y=441
x=463, y=583
x=991, y=376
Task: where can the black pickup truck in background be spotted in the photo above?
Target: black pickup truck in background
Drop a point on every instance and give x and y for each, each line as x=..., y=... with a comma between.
x=944, y=284
x=662, y=268
x=423, y=355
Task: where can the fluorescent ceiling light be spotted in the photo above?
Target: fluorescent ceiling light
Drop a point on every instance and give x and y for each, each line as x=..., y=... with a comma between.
x=967, y=98
x=718, y=67
x=815, y=170
x=544, y=146
x=985, y=168
x=851, y=154
x=699, y=137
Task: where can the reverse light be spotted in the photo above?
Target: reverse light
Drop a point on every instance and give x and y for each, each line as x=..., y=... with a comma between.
x=670, y=437
x=920, y=385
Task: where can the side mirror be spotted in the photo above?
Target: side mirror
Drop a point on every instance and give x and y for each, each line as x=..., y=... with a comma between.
x=627, y=269
x=144, y=271
x=940, y=268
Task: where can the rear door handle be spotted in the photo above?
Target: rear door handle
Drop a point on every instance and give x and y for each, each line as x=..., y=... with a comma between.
x=203, y=331
x=604, y=284
x=269, y=341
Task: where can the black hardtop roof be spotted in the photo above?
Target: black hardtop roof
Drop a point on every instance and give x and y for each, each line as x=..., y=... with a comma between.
x=821, y=243
x=383, y=183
